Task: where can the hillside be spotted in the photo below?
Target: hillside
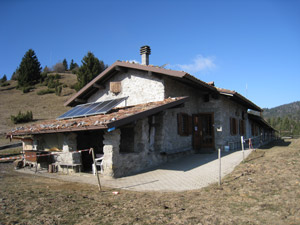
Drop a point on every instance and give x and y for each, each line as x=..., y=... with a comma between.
x=43, y=107
x=292, y=110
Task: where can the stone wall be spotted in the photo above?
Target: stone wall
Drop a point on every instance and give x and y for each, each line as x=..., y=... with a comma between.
x=221, y=107
x=195, y=105
x=65, y=142
x=232, y=109
x=116, y=164
x=138, y=85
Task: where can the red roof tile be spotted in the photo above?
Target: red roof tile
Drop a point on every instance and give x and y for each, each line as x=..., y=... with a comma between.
x=117, y=117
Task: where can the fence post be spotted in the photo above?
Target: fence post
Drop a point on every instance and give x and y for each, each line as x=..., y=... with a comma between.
x=242, y=142
x=219, y=156
x=93, y=155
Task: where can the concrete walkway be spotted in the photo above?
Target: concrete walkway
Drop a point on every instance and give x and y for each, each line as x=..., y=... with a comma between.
x=189, y=173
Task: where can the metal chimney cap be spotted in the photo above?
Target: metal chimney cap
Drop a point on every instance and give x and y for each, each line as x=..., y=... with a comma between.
x=145, y=50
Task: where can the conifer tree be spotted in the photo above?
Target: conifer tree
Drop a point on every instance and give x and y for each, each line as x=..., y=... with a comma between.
x=91, y=67
x=73, y=65
x=29, y=72
x=65, y=63
x=3, y=79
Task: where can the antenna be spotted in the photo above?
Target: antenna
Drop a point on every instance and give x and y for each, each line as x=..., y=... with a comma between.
x=163, y=66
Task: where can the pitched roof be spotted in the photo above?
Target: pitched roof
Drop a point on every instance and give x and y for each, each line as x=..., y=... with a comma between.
x=235, y=96
x=118, y=117
x=260, y=120
x=93, y=85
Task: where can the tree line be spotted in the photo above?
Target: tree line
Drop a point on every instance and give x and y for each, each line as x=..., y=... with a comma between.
x=285, y=125
x=29, y=72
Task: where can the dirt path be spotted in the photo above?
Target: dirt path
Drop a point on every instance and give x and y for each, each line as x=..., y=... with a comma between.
x=263, y=190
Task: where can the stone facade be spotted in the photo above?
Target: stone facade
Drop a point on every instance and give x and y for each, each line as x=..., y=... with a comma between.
x=155, y=138
x=138, y=86
x=61, y=141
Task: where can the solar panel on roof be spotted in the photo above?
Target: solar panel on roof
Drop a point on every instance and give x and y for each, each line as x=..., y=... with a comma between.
x=92, y=108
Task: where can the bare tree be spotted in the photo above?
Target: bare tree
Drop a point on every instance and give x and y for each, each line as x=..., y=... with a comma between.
x=59, y=67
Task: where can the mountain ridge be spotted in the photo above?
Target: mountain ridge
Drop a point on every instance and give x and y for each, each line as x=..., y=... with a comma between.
x=291, y=110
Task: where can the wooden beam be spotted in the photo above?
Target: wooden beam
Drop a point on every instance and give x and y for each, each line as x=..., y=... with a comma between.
x=99, y=86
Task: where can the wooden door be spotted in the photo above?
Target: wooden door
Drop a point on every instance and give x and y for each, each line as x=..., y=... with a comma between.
x=203, y=132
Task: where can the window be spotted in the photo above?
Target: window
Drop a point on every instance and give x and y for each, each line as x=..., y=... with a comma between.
x=233, y=126
x=254, y=129
x=127, y=140
x=115, y=87
x=242, y=127
x=184, y=122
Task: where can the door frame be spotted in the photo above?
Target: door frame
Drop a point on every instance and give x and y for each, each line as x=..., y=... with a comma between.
x=198, y=146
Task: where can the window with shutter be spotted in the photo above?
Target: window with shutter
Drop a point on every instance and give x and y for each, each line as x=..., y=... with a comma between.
x=233, y=126
x=242, y=127
x=184, y=124
x=115, y=87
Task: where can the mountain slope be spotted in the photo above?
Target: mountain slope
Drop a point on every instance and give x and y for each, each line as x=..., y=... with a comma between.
x=292, y=110
x=43, y=107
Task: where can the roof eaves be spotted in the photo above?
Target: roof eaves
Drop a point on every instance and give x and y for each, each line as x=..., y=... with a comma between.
x=90, y=84
x=259, y=119
x=149, y=68
x=237, y=96
x=146, y=113
x=202, y=83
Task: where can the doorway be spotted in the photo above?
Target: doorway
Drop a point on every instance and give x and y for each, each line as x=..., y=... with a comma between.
x=87, y=140
x=203, y=134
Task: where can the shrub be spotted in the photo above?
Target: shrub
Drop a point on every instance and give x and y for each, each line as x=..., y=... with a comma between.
x=52, y=81
x=22, y=117
x=27, y=89
x=57, y=76
x=4, y=84
x=45, y=91
x=43, y=77
x=58, y=90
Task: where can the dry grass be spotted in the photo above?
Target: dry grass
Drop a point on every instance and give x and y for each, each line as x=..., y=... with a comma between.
x=43, y=107
x=263, y=190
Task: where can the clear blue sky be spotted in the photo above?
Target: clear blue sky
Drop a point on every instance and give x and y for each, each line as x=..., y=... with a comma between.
x=252, y=47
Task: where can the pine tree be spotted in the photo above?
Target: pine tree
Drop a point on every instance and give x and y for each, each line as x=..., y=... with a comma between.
x=73, y=65
x=3, y=79
x=65, y=63
x=91, y=67
x=29, y=69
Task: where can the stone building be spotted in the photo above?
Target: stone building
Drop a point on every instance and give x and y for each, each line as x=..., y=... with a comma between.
x=155, y=115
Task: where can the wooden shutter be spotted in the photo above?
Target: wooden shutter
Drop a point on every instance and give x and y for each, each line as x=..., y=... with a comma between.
x=115, y=87
x=233, y=126
x=184, y=124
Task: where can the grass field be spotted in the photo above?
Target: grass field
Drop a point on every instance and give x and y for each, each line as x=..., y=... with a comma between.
x=43, y=107
x=265, y=189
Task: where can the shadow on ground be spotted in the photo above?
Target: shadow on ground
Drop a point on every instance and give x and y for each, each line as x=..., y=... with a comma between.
x=278, y=143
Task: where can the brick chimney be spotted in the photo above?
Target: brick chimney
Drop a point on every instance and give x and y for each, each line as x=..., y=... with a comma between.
x=145, y=51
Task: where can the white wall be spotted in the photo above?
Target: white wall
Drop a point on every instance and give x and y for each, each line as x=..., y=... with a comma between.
x=138, y=85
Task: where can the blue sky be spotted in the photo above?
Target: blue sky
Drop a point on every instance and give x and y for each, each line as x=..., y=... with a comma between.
x=252, y=47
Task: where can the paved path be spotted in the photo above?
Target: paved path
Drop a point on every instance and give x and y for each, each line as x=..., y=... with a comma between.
x=189, y=173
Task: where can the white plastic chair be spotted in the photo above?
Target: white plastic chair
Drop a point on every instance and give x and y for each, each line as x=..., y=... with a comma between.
x=99, y=162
